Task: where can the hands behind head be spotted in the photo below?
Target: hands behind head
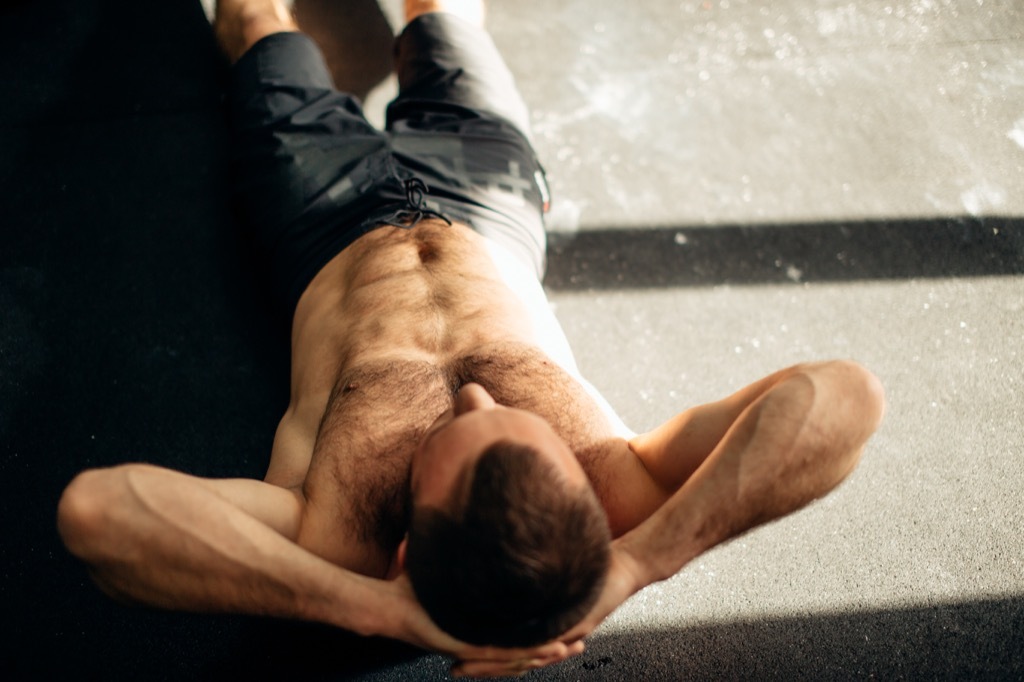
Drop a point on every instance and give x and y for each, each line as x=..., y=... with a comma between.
x=496, y=662
x=623, y=580
x=406, y=620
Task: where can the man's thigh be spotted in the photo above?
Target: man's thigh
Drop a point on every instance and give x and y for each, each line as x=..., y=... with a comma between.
x=460, y=125
x=445, y=64
x=308, y=168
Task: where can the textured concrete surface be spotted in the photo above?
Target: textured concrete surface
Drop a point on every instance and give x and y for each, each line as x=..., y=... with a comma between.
x=709, y=112
x=737, y=186
x=737, y=112
x=794, y=181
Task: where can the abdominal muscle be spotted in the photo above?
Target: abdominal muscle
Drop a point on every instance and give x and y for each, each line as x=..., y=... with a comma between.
x=427, y=293
x=431, y=293
x=418, y=302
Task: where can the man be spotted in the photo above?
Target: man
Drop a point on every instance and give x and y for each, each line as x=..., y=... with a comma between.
x=440, y=454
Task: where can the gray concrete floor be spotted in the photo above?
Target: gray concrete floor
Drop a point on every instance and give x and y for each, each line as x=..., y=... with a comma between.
x=737, y=186
x=691, y=116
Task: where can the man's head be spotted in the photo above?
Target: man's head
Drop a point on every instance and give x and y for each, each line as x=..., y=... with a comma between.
x=508, y=545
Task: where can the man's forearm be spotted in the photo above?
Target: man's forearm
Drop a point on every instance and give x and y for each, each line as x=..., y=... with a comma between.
x=674, y=450
x=162, y=538
x=790, y=446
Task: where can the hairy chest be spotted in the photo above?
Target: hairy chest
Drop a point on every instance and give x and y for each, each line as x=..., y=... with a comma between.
x=357, y=486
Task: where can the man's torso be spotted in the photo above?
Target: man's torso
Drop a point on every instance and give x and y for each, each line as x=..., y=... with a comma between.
x=382, y=339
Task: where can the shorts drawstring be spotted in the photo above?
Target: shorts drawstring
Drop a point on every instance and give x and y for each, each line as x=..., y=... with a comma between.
x=415, y=193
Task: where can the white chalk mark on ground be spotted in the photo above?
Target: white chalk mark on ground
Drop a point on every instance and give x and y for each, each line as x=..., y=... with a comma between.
x=1017, y=132
x=981, y=197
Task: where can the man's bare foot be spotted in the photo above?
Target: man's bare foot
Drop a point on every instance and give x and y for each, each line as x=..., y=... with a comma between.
x=240, y=24
x=470, y=10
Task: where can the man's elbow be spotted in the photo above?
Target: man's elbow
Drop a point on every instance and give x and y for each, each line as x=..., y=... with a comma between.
x=877, y=393
x=82, y=517
x=848, y=405
x=866, y=393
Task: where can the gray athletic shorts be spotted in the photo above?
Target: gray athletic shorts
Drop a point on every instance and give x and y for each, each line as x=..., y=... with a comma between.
x=311, y=174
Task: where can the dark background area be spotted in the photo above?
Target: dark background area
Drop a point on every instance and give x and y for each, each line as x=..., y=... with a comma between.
x=133, y=327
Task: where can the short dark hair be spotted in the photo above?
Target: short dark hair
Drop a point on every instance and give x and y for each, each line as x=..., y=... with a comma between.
x=524, y=561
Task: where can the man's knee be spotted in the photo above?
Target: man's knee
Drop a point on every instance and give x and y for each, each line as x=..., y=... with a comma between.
x=471, y=10
x=240, y=24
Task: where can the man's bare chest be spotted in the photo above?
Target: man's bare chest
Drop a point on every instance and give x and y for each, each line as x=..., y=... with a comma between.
x=438, y=294
x=358, y=479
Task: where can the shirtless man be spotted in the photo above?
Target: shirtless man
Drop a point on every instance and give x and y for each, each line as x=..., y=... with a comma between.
x=421, y=342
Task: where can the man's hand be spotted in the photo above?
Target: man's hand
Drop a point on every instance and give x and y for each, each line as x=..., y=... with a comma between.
x=623, y=581
x=403, y=618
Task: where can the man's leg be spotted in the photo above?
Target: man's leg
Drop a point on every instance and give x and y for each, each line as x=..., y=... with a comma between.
x=461, y=124
x=471, y=10
x=240, y=24
x=443, y=62
x=304, y=159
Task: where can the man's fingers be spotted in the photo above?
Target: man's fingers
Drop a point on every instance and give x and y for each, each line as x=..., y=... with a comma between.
x=576, y=635
x=488, y=669
x=545, y=651
x=498, y=669
x=504, y=667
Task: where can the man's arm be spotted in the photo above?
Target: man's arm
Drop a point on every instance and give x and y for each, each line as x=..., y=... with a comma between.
x=166, y=539
x=163, y=538
x=764, y=452
x=674, y=450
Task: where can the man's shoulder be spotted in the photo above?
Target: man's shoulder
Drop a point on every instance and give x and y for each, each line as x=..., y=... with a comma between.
x=626, y=489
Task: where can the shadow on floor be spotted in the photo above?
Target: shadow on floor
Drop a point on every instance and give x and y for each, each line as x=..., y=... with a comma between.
x=788, y=253
x=957, y=641
x=131, y=329
x=355, y=38
x=967, y=640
